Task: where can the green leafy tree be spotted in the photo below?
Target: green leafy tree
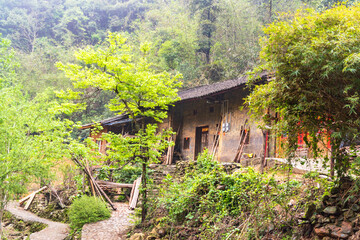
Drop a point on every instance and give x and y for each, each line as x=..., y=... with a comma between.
x=315, y=60
x=173, y=32
x=141, y=92
x=7, y=63
x=32, y=137
x=208, y=11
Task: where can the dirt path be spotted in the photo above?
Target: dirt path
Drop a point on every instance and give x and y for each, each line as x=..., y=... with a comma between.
x=114, y=228
x=54, y=231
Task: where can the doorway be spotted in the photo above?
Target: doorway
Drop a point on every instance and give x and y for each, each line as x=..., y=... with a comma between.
x=201, y=139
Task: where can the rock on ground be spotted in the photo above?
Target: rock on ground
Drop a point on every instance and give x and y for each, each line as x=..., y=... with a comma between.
x=114, y=228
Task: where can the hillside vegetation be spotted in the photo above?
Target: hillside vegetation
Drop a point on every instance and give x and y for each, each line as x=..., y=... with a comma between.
x=64, y=63
x=204, y=40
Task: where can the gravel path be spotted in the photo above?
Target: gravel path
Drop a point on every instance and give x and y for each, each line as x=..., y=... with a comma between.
x=114, y=228
x=54, y=231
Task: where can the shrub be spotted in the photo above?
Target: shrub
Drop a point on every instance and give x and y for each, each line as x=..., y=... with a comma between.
x=128, y=174
x=87, y=210
x=213, y=203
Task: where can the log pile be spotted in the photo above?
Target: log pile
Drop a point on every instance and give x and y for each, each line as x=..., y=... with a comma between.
x=98, y=186
x=95, y=188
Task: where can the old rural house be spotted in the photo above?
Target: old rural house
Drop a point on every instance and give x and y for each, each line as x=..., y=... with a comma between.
x=209, y=117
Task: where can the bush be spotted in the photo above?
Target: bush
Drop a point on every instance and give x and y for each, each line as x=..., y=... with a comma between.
x=87, y=210
x=213, y=203
x=128, y=174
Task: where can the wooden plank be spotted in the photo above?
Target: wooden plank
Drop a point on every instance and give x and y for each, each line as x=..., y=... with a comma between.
x=170, y=153
x=114, y=185
x=242, y=142
x=132, y=191
x=242, y=146
x=30, y=201
x=136, y=194
x=21, y=201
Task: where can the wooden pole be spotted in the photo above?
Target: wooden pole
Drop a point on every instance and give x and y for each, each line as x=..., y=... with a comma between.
x=242, y=142
x=217, y=139
x=242, y=145
x=265, y=151
x=114, y=185
x=30, y=201
x=91, y=183
x=21, y=201
x=103, y=193
x=95, y=184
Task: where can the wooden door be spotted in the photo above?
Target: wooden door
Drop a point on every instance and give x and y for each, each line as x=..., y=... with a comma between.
x=201, y=139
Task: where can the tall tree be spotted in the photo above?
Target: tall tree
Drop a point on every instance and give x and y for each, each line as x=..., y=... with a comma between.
x=208, y=11
x=173, y=33
x=315, y=60
x=32, y=137
x=141, y=92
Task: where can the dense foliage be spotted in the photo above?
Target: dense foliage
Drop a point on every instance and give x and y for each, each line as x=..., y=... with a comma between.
x=205, y=41
x=206, y=30
x=141, y=92
x=126, y=174
x=211, y=203
x=33, y=136
x=315, y=61
x=314, y=56
x=87, y=210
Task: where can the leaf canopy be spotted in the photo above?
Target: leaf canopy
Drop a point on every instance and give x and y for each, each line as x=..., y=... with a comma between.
x=315, y=60
x=140, y=90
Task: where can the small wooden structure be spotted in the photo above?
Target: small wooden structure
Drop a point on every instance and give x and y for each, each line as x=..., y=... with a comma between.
x=29, y=198
x=97, y=186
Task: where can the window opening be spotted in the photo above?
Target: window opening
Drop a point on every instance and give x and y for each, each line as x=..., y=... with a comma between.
x=186, y=143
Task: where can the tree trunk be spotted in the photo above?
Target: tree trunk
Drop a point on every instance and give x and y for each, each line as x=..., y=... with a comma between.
x=144, y=151
x=2, y=208
x=1, y=216
x=332, y=166
x=144, y=191
x=270, y=10
x=335, y=159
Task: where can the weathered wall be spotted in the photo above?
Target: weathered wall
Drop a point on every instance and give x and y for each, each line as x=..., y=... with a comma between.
x=197, y=113
x=186, y=116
